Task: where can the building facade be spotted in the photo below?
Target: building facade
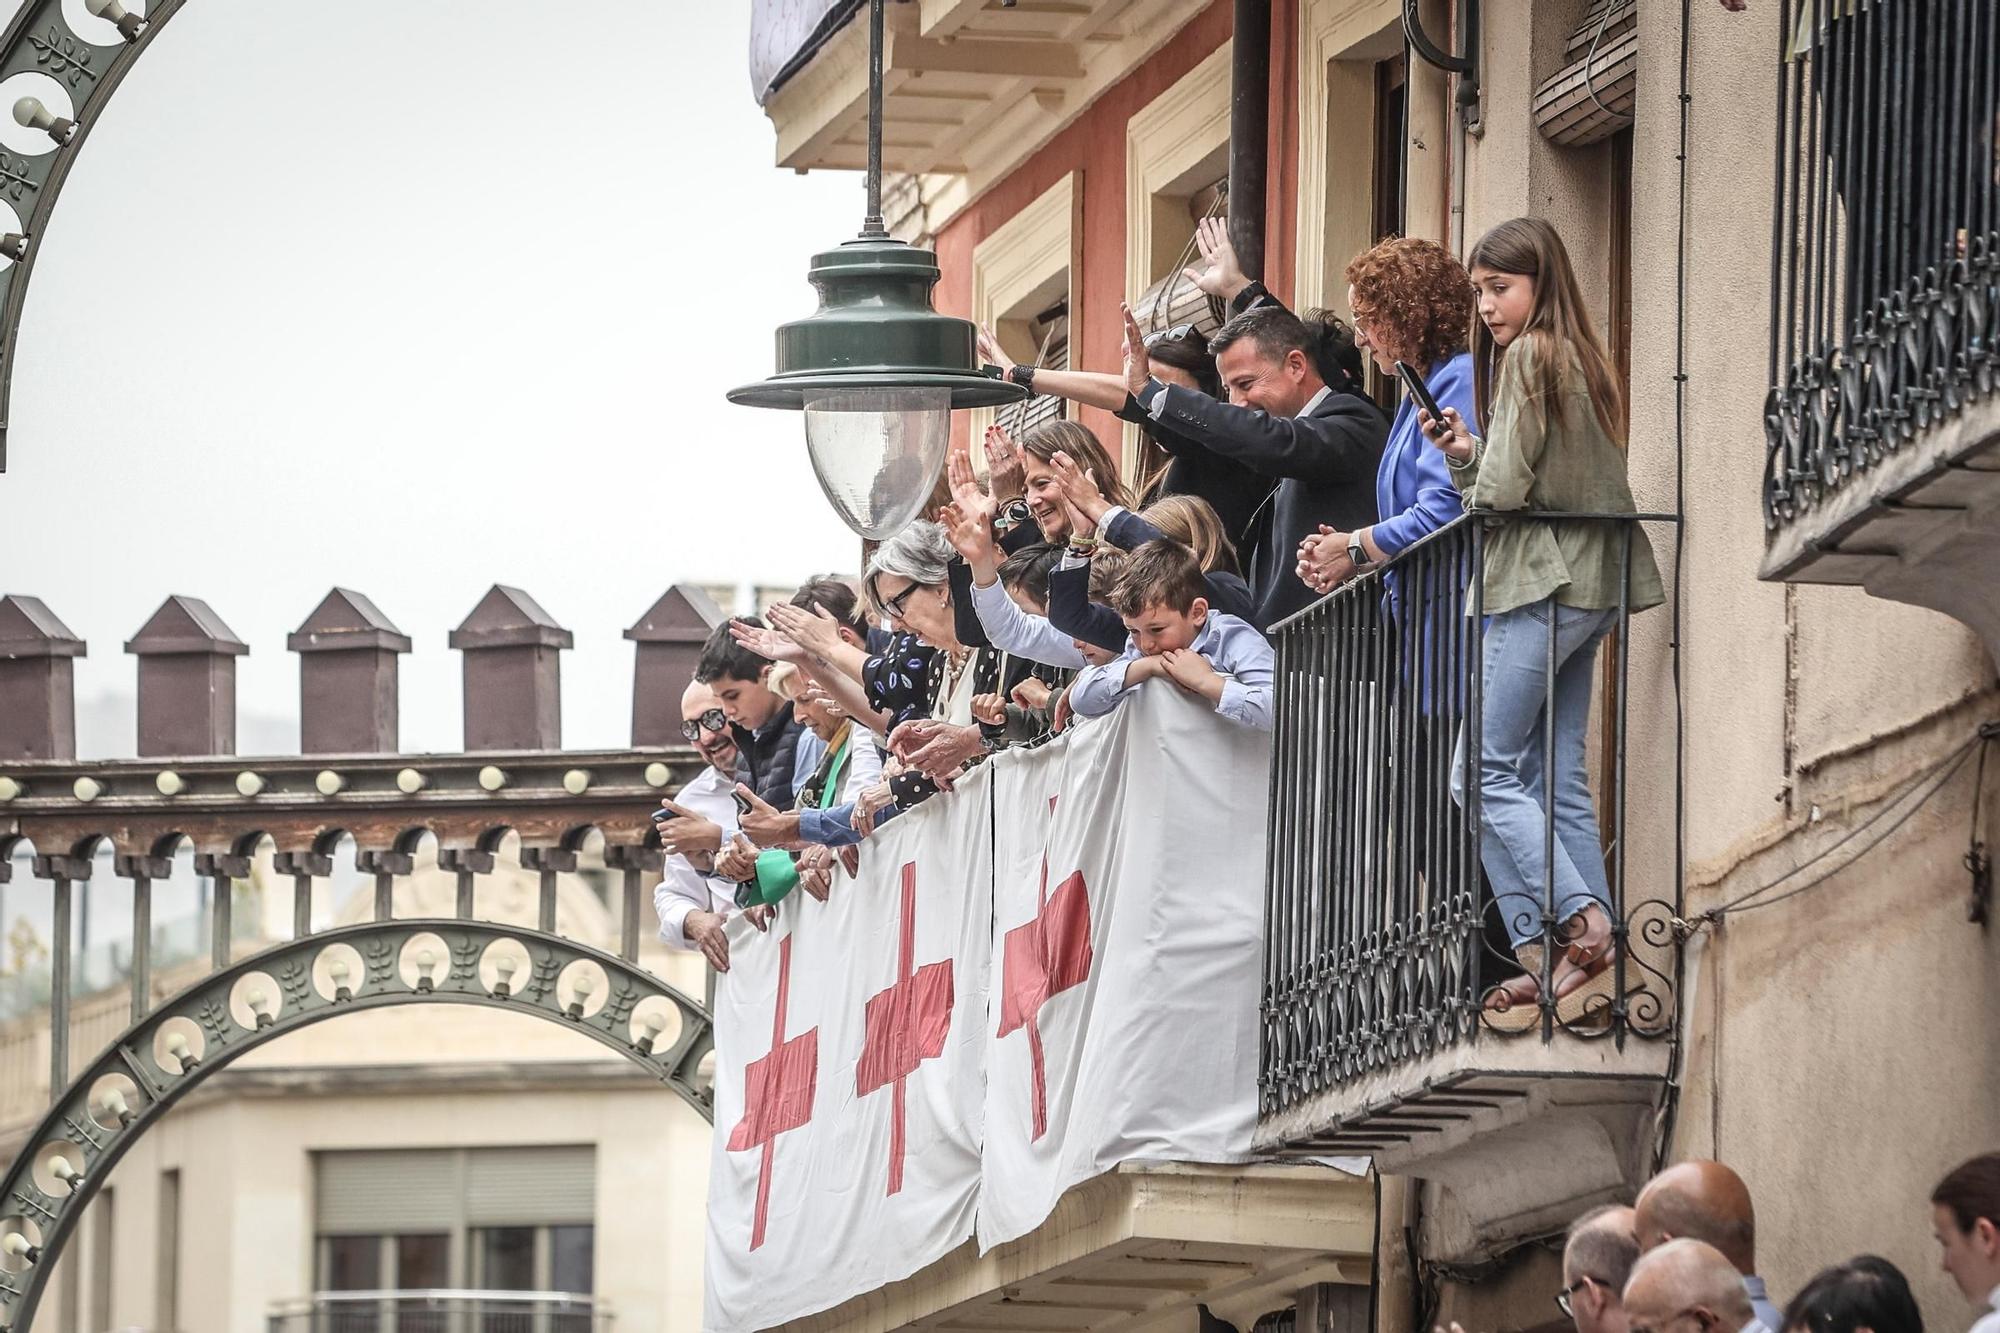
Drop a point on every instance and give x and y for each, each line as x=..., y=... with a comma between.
x=1796, y=736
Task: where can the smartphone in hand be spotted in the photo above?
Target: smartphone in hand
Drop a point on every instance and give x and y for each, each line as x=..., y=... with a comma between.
x=742, y=802
x=1421, y=396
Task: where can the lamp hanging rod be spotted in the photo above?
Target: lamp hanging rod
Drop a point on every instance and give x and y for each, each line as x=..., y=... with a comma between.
x=872, y=227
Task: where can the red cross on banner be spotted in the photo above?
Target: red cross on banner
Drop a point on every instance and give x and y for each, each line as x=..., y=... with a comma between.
x=777, y=1092
x=1043, y=958
x=906, y=1025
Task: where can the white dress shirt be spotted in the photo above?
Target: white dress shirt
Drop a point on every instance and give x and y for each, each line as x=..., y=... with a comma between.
x=1990, y=1321
x=1233, y=647
x=1022, y=633
x=685, y=889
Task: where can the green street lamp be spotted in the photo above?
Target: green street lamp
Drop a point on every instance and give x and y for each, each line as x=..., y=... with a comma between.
x=875, y=369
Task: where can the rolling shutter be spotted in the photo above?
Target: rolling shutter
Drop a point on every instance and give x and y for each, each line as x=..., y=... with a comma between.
x=530, y=1186
x=376, y=1192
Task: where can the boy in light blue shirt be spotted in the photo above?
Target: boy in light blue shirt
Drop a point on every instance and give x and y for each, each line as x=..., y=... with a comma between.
x=1171, y=633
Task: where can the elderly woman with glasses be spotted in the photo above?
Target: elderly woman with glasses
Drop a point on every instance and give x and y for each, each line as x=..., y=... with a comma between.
x=920, y=688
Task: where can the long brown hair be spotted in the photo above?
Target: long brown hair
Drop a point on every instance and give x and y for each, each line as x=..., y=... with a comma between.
x=1074, y=438
x=1558, y=321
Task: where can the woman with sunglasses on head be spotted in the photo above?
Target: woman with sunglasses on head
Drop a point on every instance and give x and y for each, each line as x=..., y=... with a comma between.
x=1176, y=356
x=1554, y=443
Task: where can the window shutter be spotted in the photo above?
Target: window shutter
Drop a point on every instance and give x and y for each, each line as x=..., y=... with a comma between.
x=531, y=1186
x=376, y=1192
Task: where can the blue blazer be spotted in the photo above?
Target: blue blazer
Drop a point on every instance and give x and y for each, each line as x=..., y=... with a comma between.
x=1413, y=490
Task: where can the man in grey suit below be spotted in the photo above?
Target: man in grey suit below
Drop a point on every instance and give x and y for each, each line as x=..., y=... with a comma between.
x=1282, y=420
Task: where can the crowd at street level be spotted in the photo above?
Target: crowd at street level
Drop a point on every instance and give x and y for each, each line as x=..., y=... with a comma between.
x=1047, y=591
x=1683, y=1259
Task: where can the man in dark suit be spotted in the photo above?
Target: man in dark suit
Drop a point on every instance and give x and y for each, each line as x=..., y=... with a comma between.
x=1282, y=420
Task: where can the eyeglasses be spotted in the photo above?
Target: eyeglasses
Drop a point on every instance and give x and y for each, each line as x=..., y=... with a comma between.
x=712, y=718
x=1178, y=333
x=894, y=605
x=1562, y=1297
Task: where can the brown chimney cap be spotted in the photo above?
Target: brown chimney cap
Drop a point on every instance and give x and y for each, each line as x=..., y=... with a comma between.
x=684, y=614
x=186, y=625
x=29, y=629
x=344, y=620
x=507, y=618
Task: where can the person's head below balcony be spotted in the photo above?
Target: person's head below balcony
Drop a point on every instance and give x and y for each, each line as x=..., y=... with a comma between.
x=766, y=731
x=1413, y=304
x=1172, y=635
x=1290, y=411
x=1708, y=1202
x=1598, y=1255
x=1688, y=1286
x=1965, y=1215
x=1866, y=1294
x=1550, y=594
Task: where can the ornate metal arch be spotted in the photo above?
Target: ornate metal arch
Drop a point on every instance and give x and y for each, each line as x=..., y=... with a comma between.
x=293, y=985
x=90, y=66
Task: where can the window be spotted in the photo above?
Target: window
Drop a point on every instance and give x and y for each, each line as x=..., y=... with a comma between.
x=499, y=1219
x=506, y=1259
x=1176, y=156
x=1021, y=274
x=167, y=1271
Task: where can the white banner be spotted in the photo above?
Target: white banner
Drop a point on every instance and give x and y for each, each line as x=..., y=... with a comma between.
x=848, y=1092
x=1051, y=971
x=1128, y=913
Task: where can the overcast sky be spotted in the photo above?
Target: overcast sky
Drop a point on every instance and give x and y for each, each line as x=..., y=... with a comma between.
x=413, y=297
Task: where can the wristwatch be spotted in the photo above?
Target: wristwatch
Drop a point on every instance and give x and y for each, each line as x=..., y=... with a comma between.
x=1357, y=552
x=1012, y=515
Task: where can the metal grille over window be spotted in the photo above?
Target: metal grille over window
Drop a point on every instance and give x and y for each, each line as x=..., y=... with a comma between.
x=1885, y=260
x=1051, y=330
x=1174, y=300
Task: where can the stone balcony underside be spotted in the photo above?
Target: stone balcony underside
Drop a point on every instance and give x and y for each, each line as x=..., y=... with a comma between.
x=1512, y=1137
x=1140, y=1248
x=1922, y=525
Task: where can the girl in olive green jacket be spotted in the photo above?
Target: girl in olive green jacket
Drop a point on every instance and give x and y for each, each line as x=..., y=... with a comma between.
x=1554, y=444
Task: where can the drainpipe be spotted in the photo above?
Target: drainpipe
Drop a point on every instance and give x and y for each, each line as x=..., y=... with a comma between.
x=1249, y=131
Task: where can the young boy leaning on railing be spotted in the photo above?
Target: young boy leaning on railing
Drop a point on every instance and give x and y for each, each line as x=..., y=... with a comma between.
x=1171, y=633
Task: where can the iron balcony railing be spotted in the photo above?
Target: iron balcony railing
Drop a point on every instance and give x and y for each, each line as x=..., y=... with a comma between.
x=1381, y=939
x=441, y=1311
x=1885, y=254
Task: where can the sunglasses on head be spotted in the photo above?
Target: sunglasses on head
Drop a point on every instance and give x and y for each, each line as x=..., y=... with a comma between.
x=712, y=718
x=1178, y=333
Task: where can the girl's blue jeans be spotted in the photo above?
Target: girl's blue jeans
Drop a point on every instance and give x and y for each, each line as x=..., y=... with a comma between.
x=1519, y=793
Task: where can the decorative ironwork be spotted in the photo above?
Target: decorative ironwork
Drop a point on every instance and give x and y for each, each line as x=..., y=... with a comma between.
x=207, y=1000
x=62, y=55
x=1885, y=255
x=1375, y=914
x=40, y=36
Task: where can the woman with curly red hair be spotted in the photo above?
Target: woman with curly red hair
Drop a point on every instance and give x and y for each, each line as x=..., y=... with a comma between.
x=1412, y=302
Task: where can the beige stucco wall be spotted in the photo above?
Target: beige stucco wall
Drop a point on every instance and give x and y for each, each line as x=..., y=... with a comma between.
x=1841, y=1054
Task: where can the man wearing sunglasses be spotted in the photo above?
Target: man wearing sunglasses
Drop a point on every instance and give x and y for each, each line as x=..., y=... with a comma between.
x=1688, y=1286
x=1597, y=1262
x=691, y=901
